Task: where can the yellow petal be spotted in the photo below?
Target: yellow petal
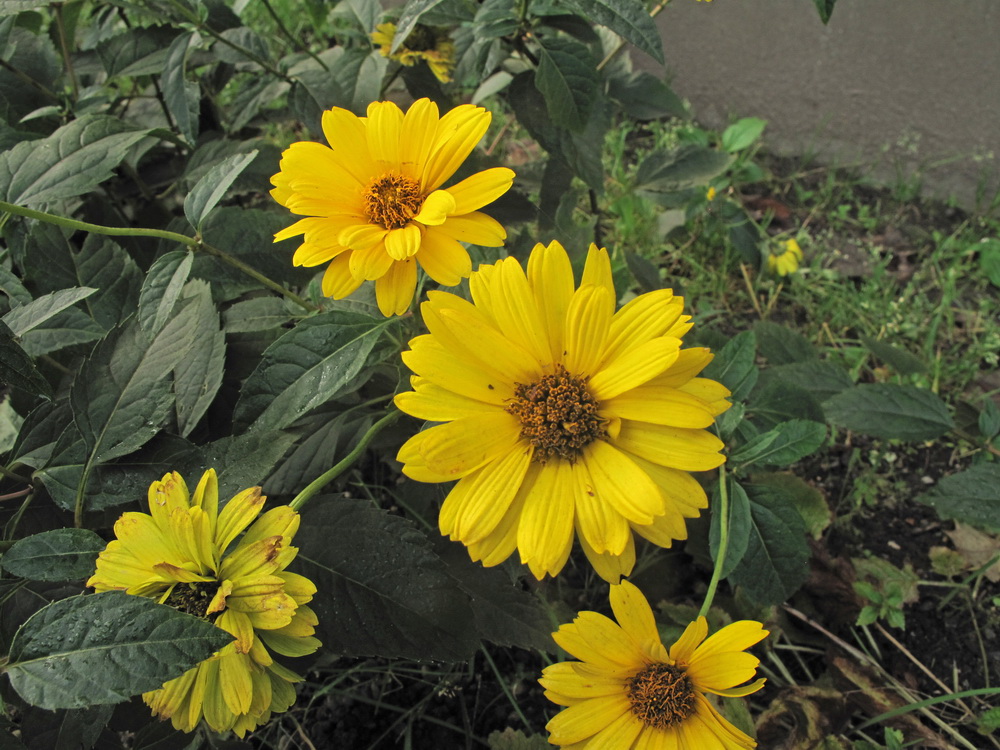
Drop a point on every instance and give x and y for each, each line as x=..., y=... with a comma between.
x=657, y=405
x=497, y=351
x=620, y=733
x=371, y=263
x=418, y=134
x=722, y=671
x=435, y=404
x=238, y=625
x=688, y=364
x=604, y=528
x=394, y=291
x=234, y=679
x=384, y=125
x=239, y=513
x=612, y=568
x=476, y=228
x=338, y=281
x=480, y=189
x=476, y=505
x=692, y=636
x=347, y=134
x=516, y=312
x=460, y=447
x=633, y=613
x=586, y=328
x=739, y=692
x=436, y=208
x=545, y=531
x=563, y=680
x=362, y=236
x=429, y=359
x=597, y=271
x=551, y=277
x=500, y=543
x=584, y=720
x=675, y=447
x=443, y=258
x=401, y=243
x=646, y=317
x=737, y=636
x=621, y=483
x=458, y=132
x=637, y=366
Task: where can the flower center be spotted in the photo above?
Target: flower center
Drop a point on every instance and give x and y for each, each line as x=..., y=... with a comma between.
x=193, y=598
x=392, y=200
x=557, y=415
x=661, y=696
x=421, y=39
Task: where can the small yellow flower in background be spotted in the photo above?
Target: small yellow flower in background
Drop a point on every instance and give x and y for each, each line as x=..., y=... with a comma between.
x=177, y=554
x=629, y=692
x=426, y=43
x=710, y=194
x=375, y=204
x=787, y=260
x=563, y=417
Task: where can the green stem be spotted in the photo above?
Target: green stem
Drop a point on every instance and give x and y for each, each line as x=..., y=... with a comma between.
x=924, y=704
x=720, y=555
x=194, y=243
x=6, y=472
x=317, y=484
x=288, y=35
x=64, y=45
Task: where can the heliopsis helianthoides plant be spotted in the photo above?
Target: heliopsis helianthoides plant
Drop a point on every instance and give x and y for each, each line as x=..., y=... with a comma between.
x=786, y=260
x=375, y=202
x=561, y=415
x=427, y=43
x=179, y=554
x=629, y=692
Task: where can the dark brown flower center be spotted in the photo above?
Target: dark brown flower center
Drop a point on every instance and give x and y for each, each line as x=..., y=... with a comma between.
x=392, y=200
x=557, y=415
x=661, y=696
x=193, y=598
x=421, y=39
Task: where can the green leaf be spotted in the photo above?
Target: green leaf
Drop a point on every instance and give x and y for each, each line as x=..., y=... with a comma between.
x=825, y=8
x=66, y=729
x=777, y=556
x=31, y=56
x=122, y=394
x=325, y=436
x=10, y=7
x=734, y=366
x=181, y=95
x=16, y=368
x=989, y=420
x=385, y=593
x=809, y=501
x=567, y=79
x=110, y=486
x=70, y=327
x=246, y=460
x=412, y=11
x=70, y=162
x=774, y=402
x=198, y=376
x=104, y=265
x=898, y=359
x=669, y=171
x=989, y=260
x=162, y=288
x=884, y=410
x=821, y=379
x=105, y=648
x=314, y=362
x=57, y=555
x=22, y=319
x=514, y=739
x=627, y=18
x=12, y=286
x=140, y=51
x=782, y=346
x=740, y=524
x=643, y=96
x=213, y=186
x=742, y=134
x=969, y=496
x=257, y=314
x=782, y=445
x=644, y=272
x=242, y=37
x=494, y=19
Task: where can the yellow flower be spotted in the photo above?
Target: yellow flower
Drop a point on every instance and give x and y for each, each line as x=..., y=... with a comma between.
x=431, y=45
x=710, y=194
x=375, y=204
x=787, y=261
x=561, y=414
x=177, y=554
x=628, y=692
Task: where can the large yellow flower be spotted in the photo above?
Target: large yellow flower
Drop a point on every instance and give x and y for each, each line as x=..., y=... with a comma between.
x=427, y=43
x=375, y=204
x=179, y=555
x=560, y=414
x=628, y=692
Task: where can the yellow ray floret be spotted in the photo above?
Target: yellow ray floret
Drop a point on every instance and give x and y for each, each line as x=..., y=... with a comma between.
x=562, y=417
x=376, y=204
x=629, y=691
x=182, y=555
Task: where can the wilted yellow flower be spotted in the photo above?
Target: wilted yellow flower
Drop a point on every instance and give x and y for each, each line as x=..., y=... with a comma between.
x=787, y=261
x=629, y=692
x=177, y=554
x=561, y=414
x=432, y=45
x=375, y=204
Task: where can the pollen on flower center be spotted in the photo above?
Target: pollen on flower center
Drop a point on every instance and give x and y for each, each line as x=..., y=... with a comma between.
x=193, y=598
x=391, y=200
x=558, y=415
x=661, y=696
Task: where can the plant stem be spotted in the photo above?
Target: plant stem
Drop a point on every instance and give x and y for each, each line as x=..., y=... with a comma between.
x=288, y=35
x=64, y=45
x=317, y=484
x=720, y=554
x=4, y=471
x=621, y=44
x=195, y=243
x=924, y=704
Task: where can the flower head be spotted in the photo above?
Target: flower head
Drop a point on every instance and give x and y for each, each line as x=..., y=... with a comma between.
x=629, y=691
x=787, y=260
x=374, y=202
x=562, y=417
x=179, y=554
x=427, y=43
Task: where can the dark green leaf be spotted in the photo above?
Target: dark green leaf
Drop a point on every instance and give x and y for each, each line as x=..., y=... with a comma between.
x=742, y=134
x=885, y=410
x=745, y=236
x=643, y=96
x=809, y=501
x=22, y=319
x=104, y=265
x=989, y=420
x=140, y=51
x=644, y=272
x=627, y=18
x=512, y=739
x=325, y=438
x=494, y=19
x=197, y=376
x=785, y=444
x=110, y=486
x=567, y=79
x=16, y=368
x=257, y=314
x=821, y=379
x=244, y=46
x=11, y=286
x=777, y=556
x=669, y=171
x=70, y=162
x=246, y=460
x=385, y=593
x=213, y=186
x=739, y=522
x=162, y=288
x=181, y=95
x=408, y=19
x=825, y=8
x=57, y=555
x=66, y=729
x=70, y=327
x=969, y=496
x=774, y=402
x=9, y=7
x=582, y=150
x=989, y=260
x=734, y=366
x=309, y=365
x=782, y=346
x=105, y=648
x=898, y=359
x=30, y=56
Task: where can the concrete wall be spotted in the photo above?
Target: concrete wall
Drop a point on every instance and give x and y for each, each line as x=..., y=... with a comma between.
x=906, y=83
